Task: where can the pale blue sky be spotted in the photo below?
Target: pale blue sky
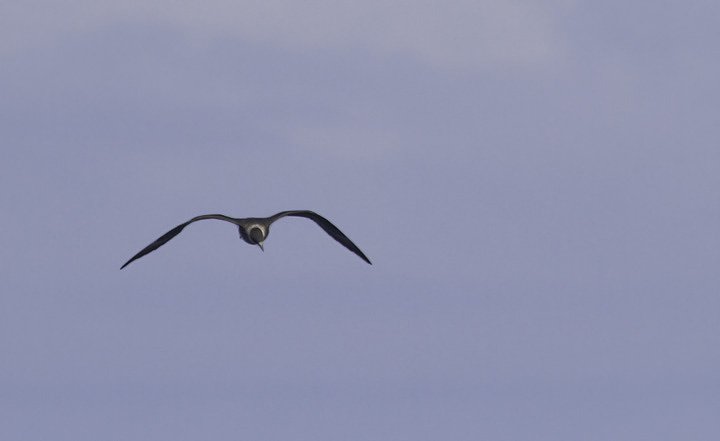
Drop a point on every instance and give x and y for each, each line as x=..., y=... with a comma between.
x=536, y=185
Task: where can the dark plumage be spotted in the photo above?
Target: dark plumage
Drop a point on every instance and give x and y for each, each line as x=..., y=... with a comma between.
x=254, y=230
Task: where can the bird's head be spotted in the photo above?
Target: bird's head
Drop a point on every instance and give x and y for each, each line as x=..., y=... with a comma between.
x=257, y=236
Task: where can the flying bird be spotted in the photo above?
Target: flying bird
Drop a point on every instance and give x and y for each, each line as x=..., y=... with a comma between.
x=254, y=230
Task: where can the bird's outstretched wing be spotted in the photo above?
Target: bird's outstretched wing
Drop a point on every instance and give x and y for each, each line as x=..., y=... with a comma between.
x=162, y=240
x=326, y=225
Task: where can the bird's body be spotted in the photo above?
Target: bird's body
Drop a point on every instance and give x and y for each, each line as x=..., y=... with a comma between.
x=254, y=230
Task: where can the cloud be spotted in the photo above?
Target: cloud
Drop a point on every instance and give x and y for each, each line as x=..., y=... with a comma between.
x=463, y=34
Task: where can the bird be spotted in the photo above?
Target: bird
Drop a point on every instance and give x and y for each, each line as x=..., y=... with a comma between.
x=254, y=230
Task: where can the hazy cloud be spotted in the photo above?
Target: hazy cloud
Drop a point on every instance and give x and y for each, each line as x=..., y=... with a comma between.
x=458, y=34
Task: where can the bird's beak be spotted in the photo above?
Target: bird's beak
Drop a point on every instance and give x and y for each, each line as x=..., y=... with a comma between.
x=261, y=246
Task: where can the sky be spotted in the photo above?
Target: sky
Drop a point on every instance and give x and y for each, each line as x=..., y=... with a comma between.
x=536, y=185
